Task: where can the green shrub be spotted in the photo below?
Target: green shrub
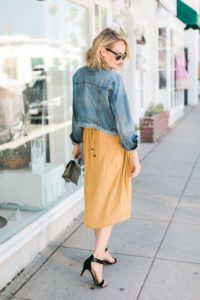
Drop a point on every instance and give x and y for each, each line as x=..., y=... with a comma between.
x=23, y=150
x=154, y=110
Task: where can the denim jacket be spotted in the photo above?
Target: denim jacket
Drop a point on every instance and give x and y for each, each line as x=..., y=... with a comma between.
x=100, y=101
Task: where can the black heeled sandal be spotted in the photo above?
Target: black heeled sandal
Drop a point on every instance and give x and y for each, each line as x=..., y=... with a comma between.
x=87, y=266
x=106, y=262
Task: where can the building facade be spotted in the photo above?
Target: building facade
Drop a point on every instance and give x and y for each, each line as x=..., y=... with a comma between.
x=42, y=43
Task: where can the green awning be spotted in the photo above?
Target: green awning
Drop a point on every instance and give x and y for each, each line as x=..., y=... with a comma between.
x=188, y=15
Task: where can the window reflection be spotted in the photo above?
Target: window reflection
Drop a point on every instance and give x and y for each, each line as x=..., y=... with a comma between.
x=104, y=16
x=162, y=33
x=162, y=58
x=39, y=59
x=39, y=56
x=162, y=79
x=9, y=68
x=100, y=18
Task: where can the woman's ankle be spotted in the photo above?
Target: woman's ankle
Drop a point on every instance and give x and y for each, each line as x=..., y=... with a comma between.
x=98, y=255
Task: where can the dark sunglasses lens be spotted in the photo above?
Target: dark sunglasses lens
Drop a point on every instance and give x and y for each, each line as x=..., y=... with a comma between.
x=118, y=57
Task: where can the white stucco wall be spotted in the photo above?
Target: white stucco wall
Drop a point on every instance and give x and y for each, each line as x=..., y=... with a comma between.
x=148, y=13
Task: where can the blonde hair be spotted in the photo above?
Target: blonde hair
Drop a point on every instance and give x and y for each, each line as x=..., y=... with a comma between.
x=106, y=38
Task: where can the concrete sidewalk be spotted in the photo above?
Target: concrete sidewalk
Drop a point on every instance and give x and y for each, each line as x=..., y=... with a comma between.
x=158, y=249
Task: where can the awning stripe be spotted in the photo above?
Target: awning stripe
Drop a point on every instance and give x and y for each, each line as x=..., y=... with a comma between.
x=187, y=15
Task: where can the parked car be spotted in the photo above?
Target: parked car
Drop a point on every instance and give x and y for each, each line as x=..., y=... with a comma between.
x=35, y=98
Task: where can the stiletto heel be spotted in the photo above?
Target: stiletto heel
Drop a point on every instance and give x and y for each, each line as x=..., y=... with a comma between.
x=106, y=262
x=82, y=272
x=87, y=266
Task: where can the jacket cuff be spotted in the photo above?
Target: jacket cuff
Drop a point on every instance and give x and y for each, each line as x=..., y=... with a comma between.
x=74, y=142
x=131, y=146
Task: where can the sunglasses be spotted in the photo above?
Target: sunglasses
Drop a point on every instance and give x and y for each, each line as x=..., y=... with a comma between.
x=118, y=56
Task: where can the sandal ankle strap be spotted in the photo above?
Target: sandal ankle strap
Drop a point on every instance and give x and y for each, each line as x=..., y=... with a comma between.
x=100, y=261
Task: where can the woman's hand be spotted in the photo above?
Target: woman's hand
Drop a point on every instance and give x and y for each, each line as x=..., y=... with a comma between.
x=136, y=167
x=77, y=154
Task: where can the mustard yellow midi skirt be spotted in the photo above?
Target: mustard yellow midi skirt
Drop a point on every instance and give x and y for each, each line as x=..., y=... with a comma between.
x=107, y=180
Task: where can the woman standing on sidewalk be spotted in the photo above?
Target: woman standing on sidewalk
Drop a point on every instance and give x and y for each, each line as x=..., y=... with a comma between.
x=103, y=122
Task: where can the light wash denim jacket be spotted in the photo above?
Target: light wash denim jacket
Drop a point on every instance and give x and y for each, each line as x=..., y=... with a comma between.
x=100, y=101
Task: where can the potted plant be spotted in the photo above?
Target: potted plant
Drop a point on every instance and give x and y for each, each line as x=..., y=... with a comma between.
x=154, y=124
x=18, y=158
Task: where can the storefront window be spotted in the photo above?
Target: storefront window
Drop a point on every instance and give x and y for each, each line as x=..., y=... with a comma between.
x=162, y=79
x=38, y=58
x=100, y=18
x=162, y=37
x=162, y=55
x=97, y=25
x=175, y=50
x=103, y=17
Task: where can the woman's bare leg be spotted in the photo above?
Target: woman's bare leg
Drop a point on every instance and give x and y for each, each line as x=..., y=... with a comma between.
x=106, y=255
x=102, y=237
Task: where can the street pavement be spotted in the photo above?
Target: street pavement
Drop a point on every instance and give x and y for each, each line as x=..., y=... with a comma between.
x=158, y=248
